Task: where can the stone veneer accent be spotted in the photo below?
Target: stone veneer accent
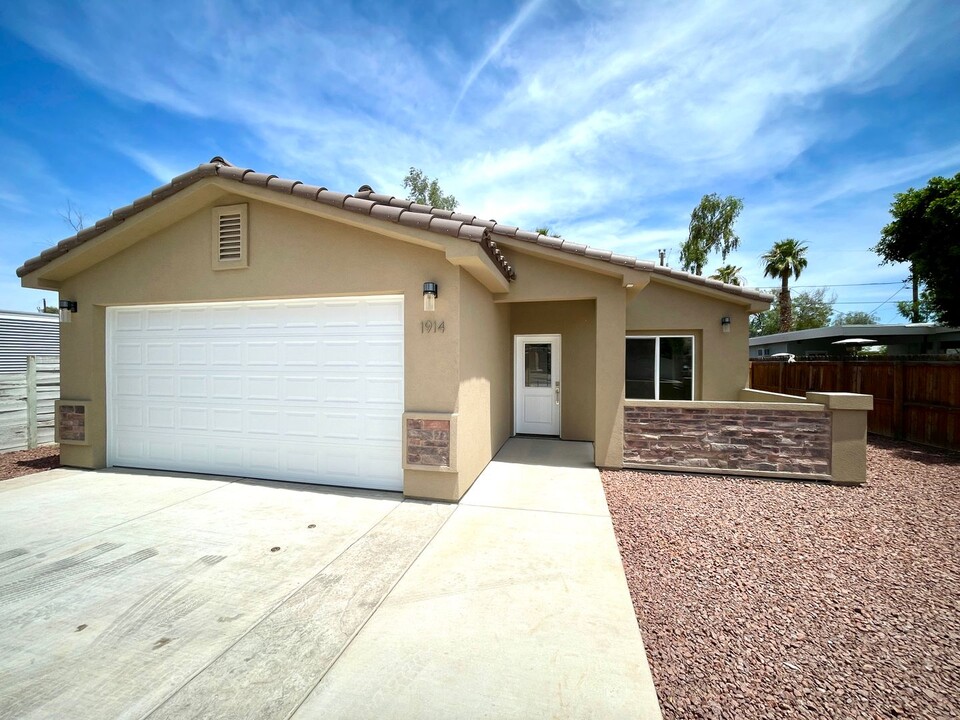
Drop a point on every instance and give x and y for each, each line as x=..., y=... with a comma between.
x=71, y=422
x=428, y=442
x=744, y=439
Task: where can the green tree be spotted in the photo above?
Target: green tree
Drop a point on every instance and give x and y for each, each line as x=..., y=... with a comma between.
x=786, y=257
x=730, y=274
x=855, y=317
x=546, y=230
x=711, y=229
x=423, y=190
x=925, y=232
x=922, y=311
x=811, y=309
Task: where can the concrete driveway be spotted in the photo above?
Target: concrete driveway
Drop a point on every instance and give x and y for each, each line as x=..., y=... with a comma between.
x=142, y=594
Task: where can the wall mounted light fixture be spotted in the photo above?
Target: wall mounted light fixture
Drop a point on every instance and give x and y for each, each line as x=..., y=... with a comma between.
x=429, y=296
x=725, y=323
x=67, y=308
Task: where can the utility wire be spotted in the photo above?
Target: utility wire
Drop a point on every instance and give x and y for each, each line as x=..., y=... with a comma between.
x=889, y=298
x=777, y=287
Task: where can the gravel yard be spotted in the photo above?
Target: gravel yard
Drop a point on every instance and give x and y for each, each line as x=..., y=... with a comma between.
x=24, y=462
x=761, y=599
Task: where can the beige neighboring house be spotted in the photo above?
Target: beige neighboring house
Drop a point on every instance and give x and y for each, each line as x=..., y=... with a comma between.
x=234, y=322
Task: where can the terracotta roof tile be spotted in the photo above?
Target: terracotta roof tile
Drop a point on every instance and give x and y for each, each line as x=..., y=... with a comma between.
x=281, y=184
x=400, y=202
x=229, y=172
x=551, y=242
x=415, y=219
x=472, y=232
x=382, y=207
x=572, y=247
x=446, y=226
x=598, y=254
x=307, y=191
x=330, y=197
x=387, y=212
x=358, y=205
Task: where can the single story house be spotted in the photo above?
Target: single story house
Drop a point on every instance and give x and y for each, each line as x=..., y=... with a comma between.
x=899, y=339
x=234, y=322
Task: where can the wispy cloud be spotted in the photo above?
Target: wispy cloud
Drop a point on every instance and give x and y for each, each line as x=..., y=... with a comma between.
x=160, y=170
x=503, y=38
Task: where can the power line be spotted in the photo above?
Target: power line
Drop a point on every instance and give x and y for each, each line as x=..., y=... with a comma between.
x=777, y=287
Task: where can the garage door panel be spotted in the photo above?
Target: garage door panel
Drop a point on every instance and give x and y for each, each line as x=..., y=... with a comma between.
x=306, y=390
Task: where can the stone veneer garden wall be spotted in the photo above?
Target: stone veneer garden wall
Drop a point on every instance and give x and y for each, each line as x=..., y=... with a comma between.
x=728, y=437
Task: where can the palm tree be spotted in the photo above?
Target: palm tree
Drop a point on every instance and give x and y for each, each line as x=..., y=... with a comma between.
x=786, y=257
x=729, y=274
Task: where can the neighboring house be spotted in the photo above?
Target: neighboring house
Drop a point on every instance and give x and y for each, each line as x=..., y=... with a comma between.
x=238, y=323
x=23, y=334
x=909, y=339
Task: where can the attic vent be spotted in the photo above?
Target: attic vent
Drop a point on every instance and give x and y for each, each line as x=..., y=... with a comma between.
x=230, y=237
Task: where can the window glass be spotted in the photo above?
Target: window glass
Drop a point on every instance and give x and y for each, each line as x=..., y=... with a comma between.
x=676, y=368
x=659, y=368
x=641, y=365
x=537, y=363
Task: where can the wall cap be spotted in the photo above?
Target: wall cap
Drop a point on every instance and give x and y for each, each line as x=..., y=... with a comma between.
x=842, y=400
x=805, y=406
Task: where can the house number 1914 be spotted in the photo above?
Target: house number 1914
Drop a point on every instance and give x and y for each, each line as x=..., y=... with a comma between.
x=431, y=326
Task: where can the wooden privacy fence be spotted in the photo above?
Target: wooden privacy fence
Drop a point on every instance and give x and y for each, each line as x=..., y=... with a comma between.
x=27, y=404
x=913, y=399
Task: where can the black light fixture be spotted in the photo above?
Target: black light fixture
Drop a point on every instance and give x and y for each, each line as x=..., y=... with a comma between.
x=67, y=308
x=429, y=296
x=725, y=323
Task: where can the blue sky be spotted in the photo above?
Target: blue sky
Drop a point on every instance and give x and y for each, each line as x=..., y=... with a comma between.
x=606, y=121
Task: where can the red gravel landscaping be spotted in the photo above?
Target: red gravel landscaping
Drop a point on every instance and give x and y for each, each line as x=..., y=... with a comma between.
x=761, y=599
x=24, y=462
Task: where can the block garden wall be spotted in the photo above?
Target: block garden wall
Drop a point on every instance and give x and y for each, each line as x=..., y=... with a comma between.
x=728, y=437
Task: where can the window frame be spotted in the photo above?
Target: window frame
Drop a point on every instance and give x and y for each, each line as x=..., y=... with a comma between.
x=656, y=365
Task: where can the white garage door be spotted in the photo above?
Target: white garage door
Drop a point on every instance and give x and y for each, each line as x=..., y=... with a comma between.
x=302, y=390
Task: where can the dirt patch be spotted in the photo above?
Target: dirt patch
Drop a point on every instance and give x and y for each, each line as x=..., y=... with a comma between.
x=760, y=599
x=24, y=462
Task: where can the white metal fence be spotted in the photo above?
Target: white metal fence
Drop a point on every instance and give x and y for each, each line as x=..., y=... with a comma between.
x=27, y=404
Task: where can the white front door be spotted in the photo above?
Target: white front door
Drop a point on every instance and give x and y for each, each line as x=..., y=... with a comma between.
x=537, y=384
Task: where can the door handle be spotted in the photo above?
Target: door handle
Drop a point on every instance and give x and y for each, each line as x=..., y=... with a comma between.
x=557, y=391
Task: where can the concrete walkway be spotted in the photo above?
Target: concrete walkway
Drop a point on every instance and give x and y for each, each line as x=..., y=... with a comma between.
x=518, y=608
x=164, y=595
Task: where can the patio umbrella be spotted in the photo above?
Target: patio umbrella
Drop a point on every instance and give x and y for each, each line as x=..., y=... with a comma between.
x=855, y=341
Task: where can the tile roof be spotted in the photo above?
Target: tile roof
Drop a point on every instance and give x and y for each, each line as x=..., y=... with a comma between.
x=382, y=207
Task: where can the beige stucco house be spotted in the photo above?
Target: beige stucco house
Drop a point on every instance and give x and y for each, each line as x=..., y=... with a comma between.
x=233, y=322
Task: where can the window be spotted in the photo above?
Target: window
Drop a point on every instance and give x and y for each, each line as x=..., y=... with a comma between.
x=230, y=237
x=659, y=368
